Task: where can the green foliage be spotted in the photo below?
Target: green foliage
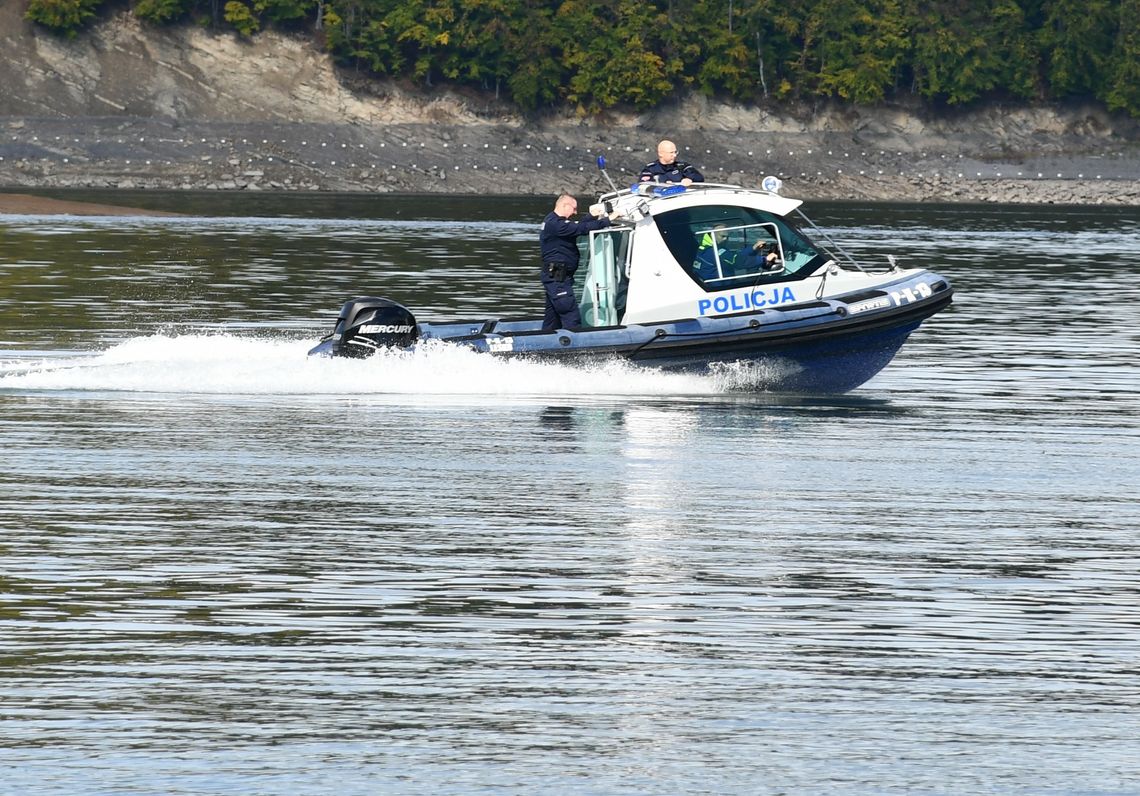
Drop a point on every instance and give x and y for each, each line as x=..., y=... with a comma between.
x=608, y=48
x=600, y=54
x=284, y=10
x=354, y=37
x=1076, y=43
x=62, y=16
x=161, y=11
x=241, y=17
x=530, y=59
x=714, y=54
x=859, y=46
x=963, y=50
x=1122, y=89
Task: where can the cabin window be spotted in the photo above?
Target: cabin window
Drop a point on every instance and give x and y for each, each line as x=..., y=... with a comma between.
x=724, y=246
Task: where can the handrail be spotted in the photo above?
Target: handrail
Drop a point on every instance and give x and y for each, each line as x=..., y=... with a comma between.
x=843, y=252
x=634, y=189
x=839, y=252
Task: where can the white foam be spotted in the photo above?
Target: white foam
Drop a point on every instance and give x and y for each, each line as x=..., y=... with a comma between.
x=231, y=364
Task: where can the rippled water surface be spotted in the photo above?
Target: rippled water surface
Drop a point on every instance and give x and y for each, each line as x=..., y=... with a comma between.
x=225, y=569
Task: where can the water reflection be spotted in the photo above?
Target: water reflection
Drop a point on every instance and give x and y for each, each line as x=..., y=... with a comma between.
x=443, y=576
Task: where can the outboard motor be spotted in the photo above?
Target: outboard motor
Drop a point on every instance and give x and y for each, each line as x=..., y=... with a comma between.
x=367, y=324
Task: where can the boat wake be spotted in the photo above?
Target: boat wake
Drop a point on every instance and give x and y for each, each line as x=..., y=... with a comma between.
x=232, y=364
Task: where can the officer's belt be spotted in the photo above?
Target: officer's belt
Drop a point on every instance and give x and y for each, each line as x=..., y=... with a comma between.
x=556, y=270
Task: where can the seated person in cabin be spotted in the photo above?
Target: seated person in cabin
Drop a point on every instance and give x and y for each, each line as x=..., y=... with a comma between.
x=763, y=256
x=712, y=250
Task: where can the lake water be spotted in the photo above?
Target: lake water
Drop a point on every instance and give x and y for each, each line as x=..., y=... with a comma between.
x=226, y=569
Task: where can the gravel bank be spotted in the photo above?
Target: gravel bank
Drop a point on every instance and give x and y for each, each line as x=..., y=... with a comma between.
x=135, y=153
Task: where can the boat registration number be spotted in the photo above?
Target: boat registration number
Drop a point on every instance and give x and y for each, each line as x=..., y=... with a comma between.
x=895, y=298
x=907, y=295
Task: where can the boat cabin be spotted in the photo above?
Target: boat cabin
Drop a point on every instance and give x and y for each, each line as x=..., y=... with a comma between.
x=683, y=252
x=698, y=278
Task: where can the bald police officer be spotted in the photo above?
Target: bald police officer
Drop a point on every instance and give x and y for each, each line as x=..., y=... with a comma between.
x=668, y=169
x=558, y=240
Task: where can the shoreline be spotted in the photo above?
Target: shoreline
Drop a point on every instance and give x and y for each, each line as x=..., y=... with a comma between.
x=30, y=204
x=148, y=154
x=27, y=201
x=131, y=106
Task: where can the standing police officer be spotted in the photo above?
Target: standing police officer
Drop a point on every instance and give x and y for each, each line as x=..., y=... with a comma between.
x=558, y=240
x=668, y=169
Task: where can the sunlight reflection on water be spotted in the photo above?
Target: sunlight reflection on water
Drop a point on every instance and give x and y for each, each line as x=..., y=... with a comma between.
x=228, y=569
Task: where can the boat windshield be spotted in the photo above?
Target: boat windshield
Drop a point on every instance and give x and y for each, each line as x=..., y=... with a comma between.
x=726, y=246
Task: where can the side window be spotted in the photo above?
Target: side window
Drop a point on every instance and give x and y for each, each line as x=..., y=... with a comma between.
x=724, y=247
x=762, y=253
x=727, y=252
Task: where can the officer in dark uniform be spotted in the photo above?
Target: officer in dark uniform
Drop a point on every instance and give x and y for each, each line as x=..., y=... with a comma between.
x=668, y=169
x=558, y=240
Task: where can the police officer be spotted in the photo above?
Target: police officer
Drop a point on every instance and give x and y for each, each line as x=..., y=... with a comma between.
x=668, y=169
x=558, y=240
x=711, y=251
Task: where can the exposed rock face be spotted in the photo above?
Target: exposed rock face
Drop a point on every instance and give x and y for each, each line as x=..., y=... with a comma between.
x=187, y=74
x=124, y=105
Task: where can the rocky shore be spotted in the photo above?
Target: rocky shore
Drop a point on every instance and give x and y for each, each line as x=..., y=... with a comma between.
x=133, y=153
x=124, y=107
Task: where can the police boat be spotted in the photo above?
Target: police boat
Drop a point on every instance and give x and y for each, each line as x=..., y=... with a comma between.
x=698, y=278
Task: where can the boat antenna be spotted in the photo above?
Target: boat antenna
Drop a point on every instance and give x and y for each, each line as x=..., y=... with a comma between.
x=602, y=168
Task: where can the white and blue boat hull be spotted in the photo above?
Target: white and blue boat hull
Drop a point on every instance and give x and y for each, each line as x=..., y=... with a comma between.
x=825, y=346
x=697, y=279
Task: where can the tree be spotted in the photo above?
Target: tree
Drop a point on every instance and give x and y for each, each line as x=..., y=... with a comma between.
x=358, y=33
x=707, y=40
x=284, y=11
x=598, y=54
x=1076, y=41
x=242, y=18
x=607, y=50
x=161, y=12
x=1123, y=83
x=534, y=71
x=62, y=16
x=851, y=48
x=964, y=49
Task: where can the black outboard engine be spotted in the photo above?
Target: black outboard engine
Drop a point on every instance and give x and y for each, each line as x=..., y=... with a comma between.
x=367, y=324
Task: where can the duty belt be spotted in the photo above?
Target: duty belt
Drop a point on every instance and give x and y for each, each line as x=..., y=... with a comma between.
x=557, y=271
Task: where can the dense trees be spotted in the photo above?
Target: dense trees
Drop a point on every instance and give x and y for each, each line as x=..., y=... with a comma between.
x=598, y=54
x=63, y=16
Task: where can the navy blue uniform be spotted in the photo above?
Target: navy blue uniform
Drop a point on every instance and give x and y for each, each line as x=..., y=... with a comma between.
x=707, y=257
x=674, y=172
x=558, y=240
